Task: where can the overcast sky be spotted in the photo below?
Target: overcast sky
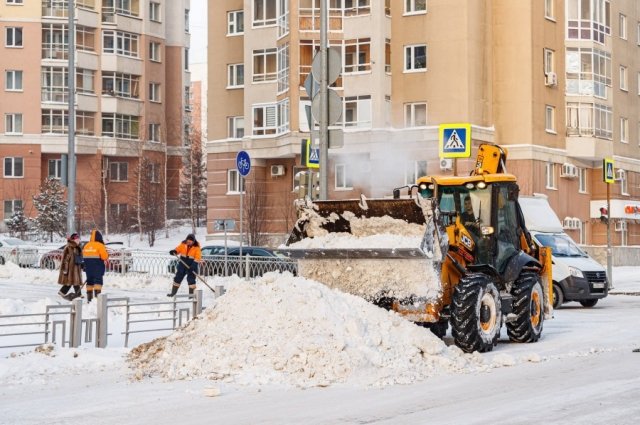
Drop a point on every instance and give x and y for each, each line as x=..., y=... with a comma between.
x=198, y=28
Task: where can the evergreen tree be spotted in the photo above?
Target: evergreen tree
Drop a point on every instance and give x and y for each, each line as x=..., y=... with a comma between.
x=52, y=208
x=18, y=224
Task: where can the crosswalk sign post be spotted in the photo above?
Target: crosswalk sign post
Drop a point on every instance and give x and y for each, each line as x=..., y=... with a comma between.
x=608, y=176
x=455, y=142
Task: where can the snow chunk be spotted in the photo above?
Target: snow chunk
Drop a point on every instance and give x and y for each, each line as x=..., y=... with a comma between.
x=282, y=329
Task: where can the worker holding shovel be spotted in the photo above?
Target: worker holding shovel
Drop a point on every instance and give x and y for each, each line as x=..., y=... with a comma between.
x=189, y=256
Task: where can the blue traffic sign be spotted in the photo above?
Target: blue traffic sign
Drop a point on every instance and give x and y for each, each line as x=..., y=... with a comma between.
x=455, y=140
x=243, y=162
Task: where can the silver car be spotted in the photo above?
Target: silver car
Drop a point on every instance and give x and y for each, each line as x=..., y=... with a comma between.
x=18, y=251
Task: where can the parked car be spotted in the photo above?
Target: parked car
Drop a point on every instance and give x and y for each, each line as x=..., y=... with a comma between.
x=262, y=260
x=120, y=259
x=19, y=252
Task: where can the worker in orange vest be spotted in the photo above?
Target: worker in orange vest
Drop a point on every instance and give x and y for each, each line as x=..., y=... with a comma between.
x=190, y=255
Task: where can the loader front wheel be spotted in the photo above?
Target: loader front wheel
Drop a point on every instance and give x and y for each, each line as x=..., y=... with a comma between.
x=476, y=315
x=528, y=306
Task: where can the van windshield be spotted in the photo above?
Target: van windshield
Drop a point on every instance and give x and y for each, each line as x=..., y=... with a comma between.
x=561, y=245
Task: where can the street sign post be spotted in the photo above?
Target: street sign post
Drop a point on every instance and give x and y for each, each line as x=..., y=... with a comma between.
x=243, y=162
x=224, y=224
x=608, y=176
x=455, y=142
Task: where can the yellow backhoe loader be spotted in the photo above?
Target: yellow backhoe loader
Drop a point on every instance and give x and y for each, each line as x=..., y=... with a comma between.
x=451, y=251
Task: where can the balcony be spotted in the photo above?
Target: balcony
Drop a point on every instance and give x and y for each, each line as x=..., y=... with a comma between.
x=126, y=20
x=588, y=148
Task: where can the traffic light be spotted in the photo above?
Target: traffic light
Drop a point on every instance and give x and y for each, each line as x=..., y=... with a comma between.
x=301, y=183
x=604, y=215
x=315, y=185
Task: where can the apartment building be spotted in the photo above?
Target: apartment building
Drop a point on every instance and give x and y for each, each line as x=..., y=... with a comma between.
x=132, y=91
x=557, y=82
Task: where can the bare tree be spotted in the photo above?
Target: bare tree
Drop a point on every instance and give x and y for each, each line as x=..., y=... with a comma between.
x=286, y=210
x=255, y=211
x=151, y=215
x=193, y=189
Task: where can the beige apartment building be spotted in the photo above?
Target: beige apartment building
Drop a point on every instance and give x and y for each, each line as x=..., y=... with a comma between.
x=131, y=100
x=556, y=82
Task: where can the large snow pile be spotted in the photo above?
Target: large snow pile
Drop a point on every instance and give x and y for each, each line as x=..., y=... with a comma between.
x=282, y=329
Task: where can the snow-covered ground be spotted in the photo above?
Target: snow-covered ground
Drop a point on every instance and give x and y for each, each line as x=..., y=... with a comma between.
x=582, y=371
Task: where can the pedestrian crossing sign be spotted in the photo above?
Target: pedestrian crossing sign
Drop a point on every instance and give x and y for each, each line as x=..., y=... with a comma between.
x=608, y=170
x=313, y=155
x=455, y=140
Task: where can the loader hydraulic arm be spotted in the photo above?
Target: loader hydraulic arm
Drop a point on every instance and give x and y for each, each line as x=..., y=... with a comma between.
x=491, y=159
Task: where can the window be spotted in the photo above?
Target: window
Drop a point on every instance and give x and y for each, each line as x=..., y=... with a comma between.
x=120, y=125
x=624, y=84
x=120, y=42
x=85, y=123
x=18, y=2
x=235, y=22
x=415, y=6
x=120, y=85
x=264, y=65
x=588, y=72
x=118, y=171
x=186, y=59
x=549, y=61
x=154, y=132
x=583, y=233
x=13, y=37
x=264, y=12
x=187, y=98
x=235, y=182
x=343, y=181
x=11, y=206
x=85, y=39
x=387, y=56
x=414, y=170
x=55, y=41
x=13, y=80
x=622, y=178
x=122, y=7
x=154, y=172
x=186, y=20
x=13, y=123
x=589, y=119
x=588, y=19
x=624, y=130
x=264, y=120
x=357, y=111
x=154, y=11
x=638, y=35
x=357, y=55
x=549, y=9
x=154, y=92
x=357, y=7
x=235, y=75
x=54, y=84
x=118, y=210
x=55, y=169
x=54, y=121
x=582, y=180
x=622, y=26
x=550, y=171
x=85, y=81
x=283, y=18
x=415, y=114
x=415, y=58
x=13, y=166
x=550, y=119
x=638, y=83
x=283, y=68
x=235, y=127
x=154, y=51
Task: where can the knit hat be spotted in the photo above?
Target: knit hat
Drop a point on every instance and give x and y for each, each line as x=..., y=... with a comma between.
x=73, y=236
x=191, y=237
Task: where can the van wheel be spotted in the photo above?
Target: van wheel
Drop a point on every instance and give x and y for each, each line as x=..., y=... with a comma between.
x=476, y=316
x=558, y=297
x=589, y=303
x=1, y=261
x=528, y=306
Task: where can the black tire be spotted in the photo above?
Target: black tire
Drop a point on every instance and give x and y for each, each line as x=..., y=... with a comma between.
x=1, y=261
x=49, y=264
x=528, y=306
x=476, y=316
x=558, y=296
x=589, y=303
x=439, y=329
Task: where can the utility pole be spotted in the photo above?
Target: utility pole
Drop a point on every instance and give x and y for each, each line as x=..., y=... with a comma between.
x=71, y=118
x=324, y=99
x=609, y=249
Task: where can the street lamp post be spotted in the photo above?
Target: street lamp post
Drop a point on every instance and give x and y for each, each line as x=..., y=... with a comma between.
x=324, y=99
x=71, y=119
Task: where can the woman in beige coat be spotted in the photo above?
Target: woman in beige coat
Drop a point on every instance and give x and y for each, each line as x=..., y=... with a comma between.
x=71, y=268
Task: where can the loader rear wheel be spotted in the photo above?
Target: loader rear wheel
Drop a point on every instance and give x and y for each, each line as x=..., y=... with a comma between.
x=528, y=306
x=476, y=315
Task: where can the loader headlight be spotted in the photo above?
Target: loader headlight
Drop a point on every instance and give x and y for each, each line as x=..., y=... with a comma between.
x=486, y=230
x=575, y=272
x=481, y=185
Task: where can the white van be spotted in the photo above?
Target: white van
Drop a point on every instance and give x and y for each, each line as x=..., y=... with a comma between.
x=576, y=276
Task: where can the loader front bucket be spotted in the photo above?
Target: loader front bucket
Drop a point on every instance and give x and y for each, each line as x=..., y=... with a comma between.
x=378, y=249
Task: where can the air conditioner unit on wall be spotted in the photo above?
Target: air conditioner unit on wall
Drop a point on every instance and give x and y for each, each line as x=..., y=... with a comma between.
x=621, y=226
x=550, y=79
x=277, y=170
x=446, y=164
x=569, y=171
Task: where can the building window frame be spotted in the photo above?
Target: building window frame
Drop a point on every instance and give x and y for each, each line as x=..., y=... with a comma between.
x=550, y=176
x=154, y=132
x=235, y=22
x=54, y=169
x=13, y=122
x=235, y=182
x=235, y=76
x=10, y=207
x=121, y=85
x=121, y=126
x=414, y=170
x=622, y=26
x=13, y=38
x=357, y=56
x=550, y=119
x=155, y=11
x=235, y=127
x=624, y=79
x=154, y=51
x=154, y=92
x=549, y=10
x=549, y=60
x=265, y=65
x=15, y=2
x=582, y=180
x=412, y=116
x=415, y=7
x=624, y=130
x=120, y=43
x=342, y=179
x=13, y=167
x=265, y=11
x=118, y=172
x=622, y=178
x=357, y=111
x=412, y=58
x=14, y=80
